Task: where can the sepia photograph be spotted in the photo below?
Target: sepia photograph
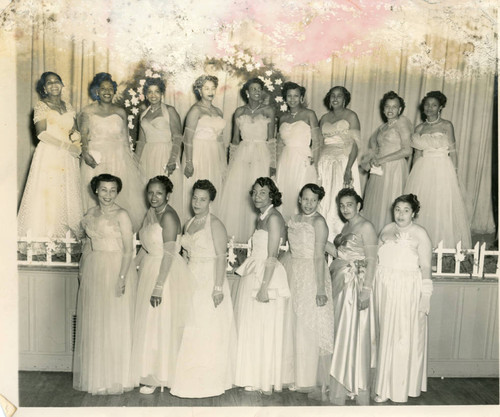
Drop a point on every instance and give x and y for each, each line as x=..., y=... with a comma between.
x=249, y=207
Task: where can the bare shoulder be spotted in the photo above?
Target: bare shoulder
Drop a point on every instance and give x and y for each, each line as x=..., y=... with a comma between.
x=120, y=111
x=239, y=111
x=170, y=218
x=269, y=111
x=216, y=224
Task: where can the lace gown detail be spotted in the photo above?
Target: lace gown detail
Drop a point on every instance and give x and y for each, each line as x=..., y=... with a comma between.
x=52, y=203
x=312, y=326
x=260, y=357
x=251, y=161
x=101, y=363
x=294, y=168
x=108, y=140
x=354, y=352
x=209, y=159
x=402, y=358
x=332, y=163
x=156, y=154
x=433, y=179
x=158, y=331
x=205, y=364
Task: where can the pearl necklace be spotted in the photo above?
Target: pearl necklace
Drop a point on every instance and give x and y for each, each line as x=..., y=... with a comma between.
x=199, y=220
x=309, y=215
x=433, y=122
x=294, y=114
x=162, y=210
x=392, y=122
x=266, y=212
x=253, y=110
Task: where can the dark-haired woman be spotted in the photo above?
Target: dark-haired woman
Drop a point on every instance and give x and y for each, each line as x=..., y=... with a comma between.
x=262, y=298
x=164, y=294
x=251, y=157
x=386, y=162
x=106, y=297
x=403, y=290
x=105, y=149
x=205, y=364
x=311, y=289
x=338, y=165
x=51, y=203
x=352, y=273
x=434, y=176
x=160, y=138
x=299, y=134
x=204, y=154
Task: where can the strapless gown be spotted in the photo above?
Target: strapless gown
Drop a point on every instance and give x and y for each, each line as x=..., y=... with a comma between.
x=52, y=202
x=108, y=139
x=209, y=159
x=294, y=168
x=156, y=154
x=251, y=161
x=331, y=168
x=434, y=181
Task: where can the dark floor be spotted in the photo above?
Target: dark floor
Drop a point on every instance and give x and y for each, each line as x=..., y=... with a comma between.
x=54, y=389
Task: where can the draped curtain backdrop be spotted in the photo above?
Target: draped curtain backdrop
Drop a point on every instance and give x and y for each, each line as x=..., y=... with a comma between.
x=469, y=107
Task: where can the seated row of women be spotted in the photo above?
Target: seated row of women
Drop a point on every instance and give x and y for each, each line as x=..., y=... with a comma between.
x=305, y=151
x=292, y=326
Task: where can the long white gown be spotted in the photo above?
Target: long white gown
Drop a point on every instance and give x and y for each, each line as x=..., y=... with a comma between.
x=108, y=139
x=312, y=326
x=402, y=350
x=251, y=161
x=158, y=330
x=434, y=181
x=52, y=203
x=209, y=159
x=294, y=168
x=338, y=142
x=156, y=154
x=101, y=363
x=205, y=364
x=260, y=362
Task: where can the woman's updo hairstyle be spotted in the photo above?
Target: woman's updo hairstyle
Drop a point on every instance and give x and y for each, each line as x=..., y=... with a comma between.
x=316, y=189
x=164, y=181
x=274, y=192
x=96, y=181
x=349, y=192
x=96, y=83
x=411, y=199
x=207, y=186
x=345, y=92
x=200, y=82
x=289, y=85
x=40, y=85
x=391, y=95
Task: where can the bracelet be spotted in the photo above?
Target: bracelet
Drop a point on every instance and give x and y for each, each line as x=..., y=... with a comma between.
x=218, y=288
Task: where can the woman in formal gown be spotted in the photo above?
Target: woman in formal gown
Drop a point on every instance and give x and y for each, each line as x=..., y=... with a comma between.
x=337, y=164
x=403, y=288
x=106, y=298
x=262, y=299
x=310, y=285
x=51, y=203
x=160, y=138
x=386, y=161
x=164, y=294
x=251, y=157
x=204, y=153
x=205, y=364
x=433, y=177
x=300, y=140
x=354, y=352
x=105, y=149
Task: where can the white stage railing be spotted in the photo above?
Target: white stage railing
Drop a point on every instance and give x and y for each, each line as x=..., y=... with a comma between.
x=54, y=248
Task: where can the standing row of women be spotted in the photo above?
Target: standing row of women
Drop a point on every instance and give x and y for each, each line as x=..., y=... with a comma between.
x=305, y=151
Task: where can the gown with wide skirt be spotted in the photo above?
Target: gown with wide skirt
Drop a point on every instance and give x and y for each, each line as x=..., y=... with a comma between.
x=434, y=181
x=402, y=350
x=101, y=363
x=294, y=168
x=205, y=364
x=156, y=154
x=108, y=144
x=331, y=168
x=158, y=330
x=312, y=326
x=52, y=203
x=354, y=352
x=260, y=362
x=209, y=159
x=251, y=161
x=382, y=190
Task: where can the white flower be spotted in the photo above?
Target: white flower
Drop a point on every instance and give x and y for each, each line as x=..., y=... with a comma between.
x=130, y=125
x=141, y=97
x=284, y=107
x=278, y=81
x=148, y=73
x=127, y=103
x=142, y=82
x=139, y=90
x=134, y=101
x=278, y=99
x=156, y=76
x=258, y=65
x=269, y=73
x=131, y=117
x=460, y=256
x=238, y=63
x=246, y=58
x=270, y=88
x=135, y=110
x=249, y=67
x=131, y=91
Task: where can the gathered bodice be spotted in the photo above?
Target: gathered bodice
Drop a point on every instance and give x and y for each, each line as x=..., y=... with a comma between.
x=351, y=247
x=110, y=129
x=335, y=134
x=388, y=141
x=432, y=144
x=157, y=129
x=58, y=125
x=253, y=129
x=200, y=244
x=301, y=237
x=104, y=232
x=151, y=235
x=209, y=128
x=259, y=244
x=296, y=134
x=399, y=252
